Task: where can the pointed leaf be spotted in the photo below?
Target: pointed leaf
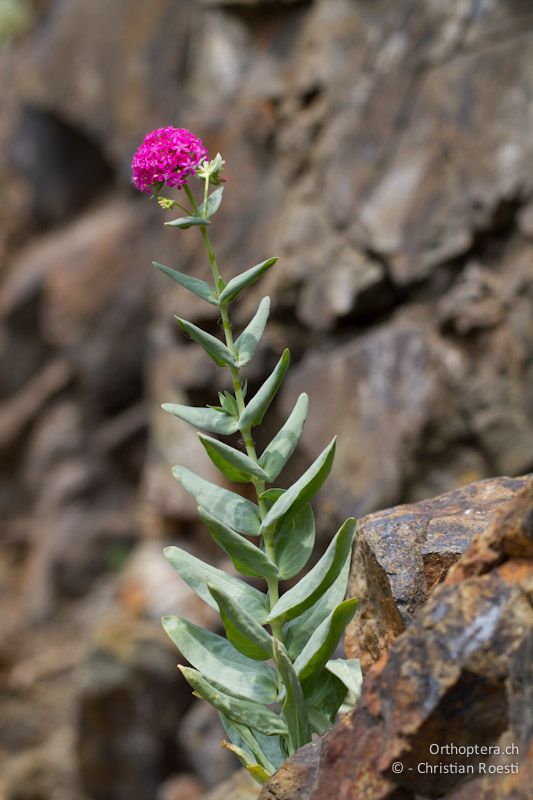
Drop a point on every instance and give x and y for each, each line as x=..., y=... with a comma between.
x=248, y=559
x=284, y=443
x=214, y=348
x=348, y=670
x=247, y=343
x=196, y=574
x=246, y=712
x=298, y=631
x=314, y=584
x=265, y=749
x=221, y=662
x=194, y=285
x=294, y=541
x=294, y=709
x=258, y=773
x=324, y=640
x=240, y=282
x=320, y=722
x=205, y=418
x=234, y=464
x=304, y=489
x=242, y=630
x=233, y=510
x=212, y=205
x=187, y=222
x=257, y=407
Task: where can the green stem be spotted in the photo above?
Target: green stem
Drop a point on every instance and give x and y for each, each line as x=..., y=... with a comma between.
x=273, y=585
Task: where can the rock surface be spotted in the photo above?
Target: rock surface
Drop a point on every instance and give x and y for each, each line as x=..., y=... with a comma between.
x=458, y=675
x=403, y=553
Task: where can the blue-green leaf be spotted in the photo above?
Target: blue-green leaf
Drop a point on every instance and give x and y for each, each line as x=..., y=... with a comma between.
x=187, y=222
x=248, y=559
x=207, y=419
x=242, y=630
x=257, y=407
x=298, y=631
x=267, y=750
x=246, y=712
x=212, y=205
x=233, y=510
x=240, y=282
x=294, y=541
x=234, y=464
x=197, y=574
x=348, y=670
x=214, y=348
x=313, y=585
x=221, y=662
x=282, y=446
x=247, y=343
x=303, y=490
x=324, y=640
x=294, y=708
x=194, y=285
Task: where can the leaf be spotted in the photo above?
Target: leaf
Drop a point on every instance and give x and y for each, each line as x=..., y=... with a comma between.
x=246, y=712
x=320, y=722
x=304, y=489
x=205, y=418
x=298, y=631
x=214, y=348
x=208, y=209
x=294, y=709
x=228, y=404
x=257, y=407
x=314, y=584
x=265, y=749
x=197, y=287
x=257, y=772
x=242, y=630
x=187, y=222
x=196, y=574
x=282, y=446
x=247, y=343
x=234, y=464
x=240, y=282
x=324, y=640
x=294, y=541
x=326, y=692
x=248, y=559
x=221, y=662
x=348, y=670
x=233, y=510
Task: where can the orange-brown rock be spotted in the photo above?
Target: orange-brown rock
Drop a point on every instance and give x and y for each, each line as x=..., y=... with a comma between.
x=401, y=554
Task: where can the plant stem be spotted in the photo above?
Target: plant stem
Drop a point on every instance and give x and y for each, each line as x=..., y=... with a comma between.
x=273, y=584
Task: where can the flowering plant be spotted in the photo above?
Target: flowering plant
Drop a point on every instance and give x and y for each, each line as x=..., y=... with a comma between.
x=273, y=679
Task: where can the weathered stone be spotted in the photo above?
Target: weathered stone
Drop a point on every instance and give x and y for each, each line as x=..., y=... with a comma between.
x=239, y=787
x=130, y=706
x=297, y=778
x=200, y=737
x=455, y=676
x=402, y=554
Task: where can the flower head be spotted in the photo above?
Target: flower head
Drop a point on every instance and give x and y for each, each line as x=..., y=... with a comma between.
x=166, y=156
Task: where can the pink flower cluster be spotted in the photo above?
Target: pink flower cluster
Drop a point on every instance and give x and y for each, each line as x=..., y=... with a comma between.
x=167, y=155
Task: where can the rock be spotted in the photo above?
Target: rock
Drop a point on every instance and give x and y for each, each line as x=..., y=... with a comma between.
x=200, y=736
x=455, y=676
x=130, y=706
x=425, y=539
x=297, y=778
x=239, y=787
x=182, y=787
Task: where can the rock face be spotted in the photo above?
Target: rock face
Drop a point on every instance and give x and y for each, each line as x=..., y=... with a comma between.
x=459, y=675
x=401, y=554
x=383, y=151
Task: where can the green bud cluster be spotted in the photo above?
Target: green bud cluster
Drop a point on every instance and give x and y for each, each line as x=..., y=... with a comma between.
x=273, y=678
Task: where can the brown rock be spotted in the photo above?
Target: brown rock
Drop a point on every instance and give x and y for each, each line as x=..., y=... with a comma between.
x=297, y=778
x=401, y=554
x=456, y=676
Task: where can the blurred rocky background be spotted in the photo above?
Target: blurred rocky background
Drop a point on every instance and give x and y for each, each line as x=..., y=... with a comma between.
x=383, y=151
